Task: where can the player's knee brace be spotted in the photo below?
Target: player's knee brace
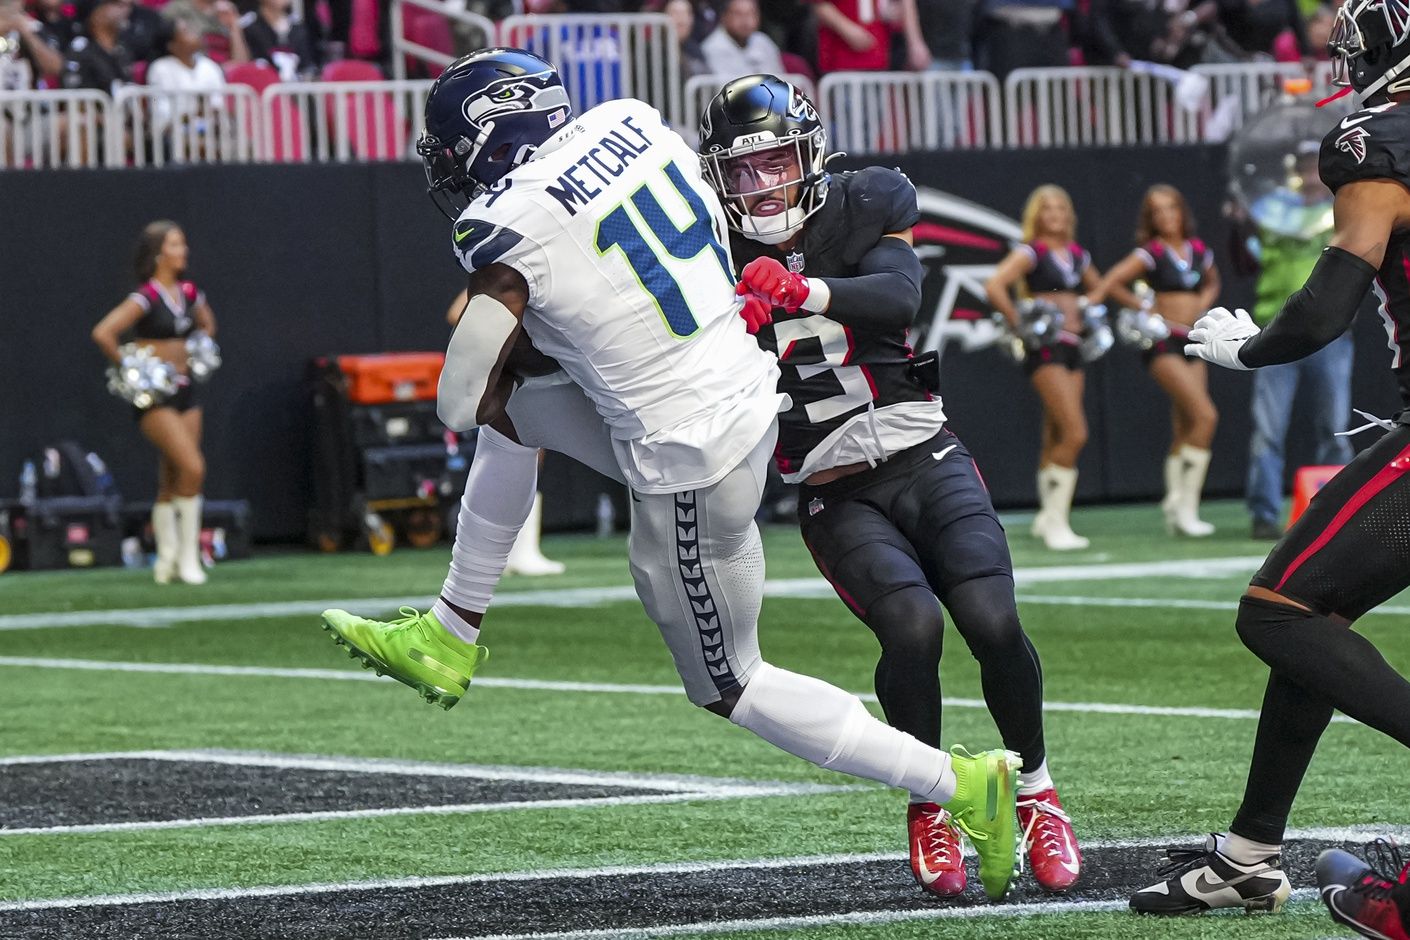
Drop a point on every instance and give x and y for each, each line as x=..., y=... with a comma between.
x=1263, y=625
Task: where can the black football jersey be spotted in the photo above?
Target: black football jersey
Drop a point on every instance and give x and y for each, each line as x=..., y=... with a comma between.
x=833, y=372
x=1053, y=272
x=1375, y=144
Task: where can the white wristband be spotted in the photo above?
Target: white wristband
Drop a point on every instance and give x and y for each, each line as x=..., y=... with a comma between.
x=819, y=296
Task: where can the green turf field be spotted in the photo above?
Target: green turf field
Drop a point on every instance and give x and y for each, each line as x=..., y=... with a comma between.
x=1152, y=707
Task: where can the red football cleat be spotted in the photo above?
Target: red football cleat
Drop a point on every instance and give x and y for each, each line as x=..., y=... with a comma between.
x=1048, y=840
x=937, y=854
x=1371, y=902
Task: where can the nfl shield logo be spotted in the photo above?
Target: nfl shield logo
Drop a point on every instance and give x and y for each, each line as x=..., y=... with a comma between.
x=795, y=262
x=815, y=507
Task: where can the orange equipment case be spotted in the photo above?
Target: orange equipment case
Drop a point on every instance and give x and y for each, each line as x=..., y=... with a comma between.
x=384, y=378
x=1306, y=482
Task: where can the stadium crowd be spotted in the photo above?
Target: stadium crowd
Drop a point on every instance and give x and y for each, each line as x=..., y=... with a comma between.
x=177, y=44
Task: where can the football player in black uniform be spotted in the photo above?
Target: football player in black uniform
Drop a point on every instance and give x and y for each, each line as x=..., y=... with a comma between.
x=1350, y=550
x=892, y=506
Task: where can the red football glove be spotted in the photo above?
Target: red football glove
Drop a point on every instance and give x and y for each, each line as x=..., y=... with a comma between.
x=775, y=283
x=757, y=312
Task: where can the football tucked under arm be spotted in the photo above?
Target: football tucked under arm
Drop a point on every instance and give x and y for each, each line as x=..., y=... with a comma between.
x=474, y=384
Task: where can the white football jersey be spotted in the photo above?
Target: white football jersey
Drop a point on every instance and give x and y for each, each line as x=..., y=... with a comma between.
x=621, y=243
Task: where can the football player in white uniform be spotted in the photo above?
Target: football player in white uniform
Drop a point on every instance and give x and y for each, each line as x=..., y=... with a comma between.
x=597, y=237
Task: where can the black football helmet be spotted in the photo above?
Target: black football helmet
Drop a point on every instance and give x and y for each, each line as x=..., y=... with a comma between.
x=487, y=114
x=1369, y=47
x=758, y=113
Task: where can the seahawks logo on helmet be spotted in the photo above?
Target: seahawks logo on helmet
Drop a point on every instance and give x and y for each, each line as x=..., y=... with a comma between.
x=540, y=92
x=1354, y=143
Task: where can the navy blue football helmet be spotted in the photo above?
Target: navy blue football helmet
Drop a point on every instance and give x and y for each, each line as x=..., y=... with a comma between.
x=487, y=114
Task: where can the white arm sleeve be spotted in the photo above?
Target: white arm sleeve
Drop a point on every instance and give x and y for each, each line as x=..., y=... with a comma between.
x=470, y=361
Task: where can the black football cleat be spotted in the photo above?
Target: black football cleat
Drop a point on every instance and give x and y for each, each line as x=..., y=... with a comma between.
x=1199, y=880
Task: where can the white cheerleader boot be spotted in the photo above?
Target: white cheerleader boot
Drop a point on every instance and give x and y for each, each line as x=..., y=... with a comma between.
x=1057, y=485
x=1194, y=466
x=165, y=535
x=188, y=525
x=525, y=557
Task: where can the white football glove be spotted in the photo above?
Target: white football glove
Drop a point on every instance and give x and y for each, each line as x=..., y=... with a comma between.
x=1218, y=336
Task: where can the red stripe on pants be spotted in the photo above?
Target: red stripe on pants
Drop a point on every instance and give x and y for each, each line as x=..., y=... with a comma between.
x=1383, y=478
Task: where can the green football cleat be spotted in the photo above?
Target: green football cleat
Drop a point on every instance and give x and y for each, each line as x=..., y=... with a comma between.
x=416, y=650
x=984, y=807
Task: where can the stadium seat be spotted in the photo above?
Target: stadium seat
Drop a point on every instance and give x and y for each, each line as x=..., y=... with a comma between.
x=795, y=64
x=256, y=75
x=350, y=70
x=425, y=28
x=363, y=41
x=373, y=126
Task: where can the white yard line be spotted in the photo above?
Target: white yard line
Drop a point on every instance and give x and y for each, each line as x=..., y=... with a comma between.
x=855, y=918
x=1174, y=603
x=677, y=788
x=1354, y=835
x=798, y=588
x=603, y=688
x=451, y=809
x=674, y=783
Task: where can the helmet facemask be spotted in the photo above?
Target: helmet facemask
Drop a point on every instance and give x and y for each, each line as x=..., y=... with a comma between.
x=1366, y=34
x=760, y=169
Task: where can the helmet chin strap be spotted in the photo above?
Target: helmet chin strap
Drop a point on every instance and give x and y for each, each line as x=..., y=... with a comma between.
x=773, y=229
x=1387, y=82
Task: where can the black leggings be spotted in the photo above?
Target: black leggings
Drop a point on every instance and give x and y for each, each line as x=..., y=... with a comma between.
x=897, y=542
x=910, y=624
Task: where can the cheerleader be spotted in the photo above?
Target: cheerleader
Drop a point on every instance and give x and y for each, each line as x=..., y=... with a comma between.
x=159, y=317
x=1180, y=271
x=1052, y=269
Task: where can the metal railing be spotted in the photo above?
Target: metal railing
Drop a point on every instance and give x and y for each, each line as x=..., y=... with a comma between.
x=46, y=129
x=701, y=89
x=464, y=31
x=896, y=112
x=327, y=122
x=866, y=113
x=153, y=127
x=604, y=57
x=1094, y=106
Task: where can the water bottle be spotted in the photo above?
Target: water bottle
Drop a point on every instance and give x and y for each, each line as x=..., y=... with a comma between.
x=29, y=483
x=105, y=483
x=132, y=555
x=606, y=516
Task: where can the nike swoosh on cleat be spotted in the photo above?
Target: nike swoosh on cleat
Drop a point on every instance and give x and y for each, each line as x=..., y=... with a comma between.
x=1073, y=868
x=1203, y=883
x=927, y=876
x=940, y=454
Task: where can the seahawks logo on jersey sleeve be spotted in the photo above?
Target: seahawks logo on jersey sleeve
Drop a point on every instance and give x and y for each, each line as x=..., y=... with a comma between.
x=480, y=243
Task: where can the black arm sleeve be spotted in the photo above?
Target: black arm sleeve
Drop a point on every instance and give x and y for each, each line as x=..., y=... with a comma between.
x=885, y=294
x=1315, y=315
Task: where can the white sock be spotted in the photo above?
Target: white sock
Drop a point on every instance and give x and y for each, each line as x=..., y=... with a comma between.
x=1244, y=851
x=499, y=493
x=1035, y=781
x=454, y=622
x=823, y=724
